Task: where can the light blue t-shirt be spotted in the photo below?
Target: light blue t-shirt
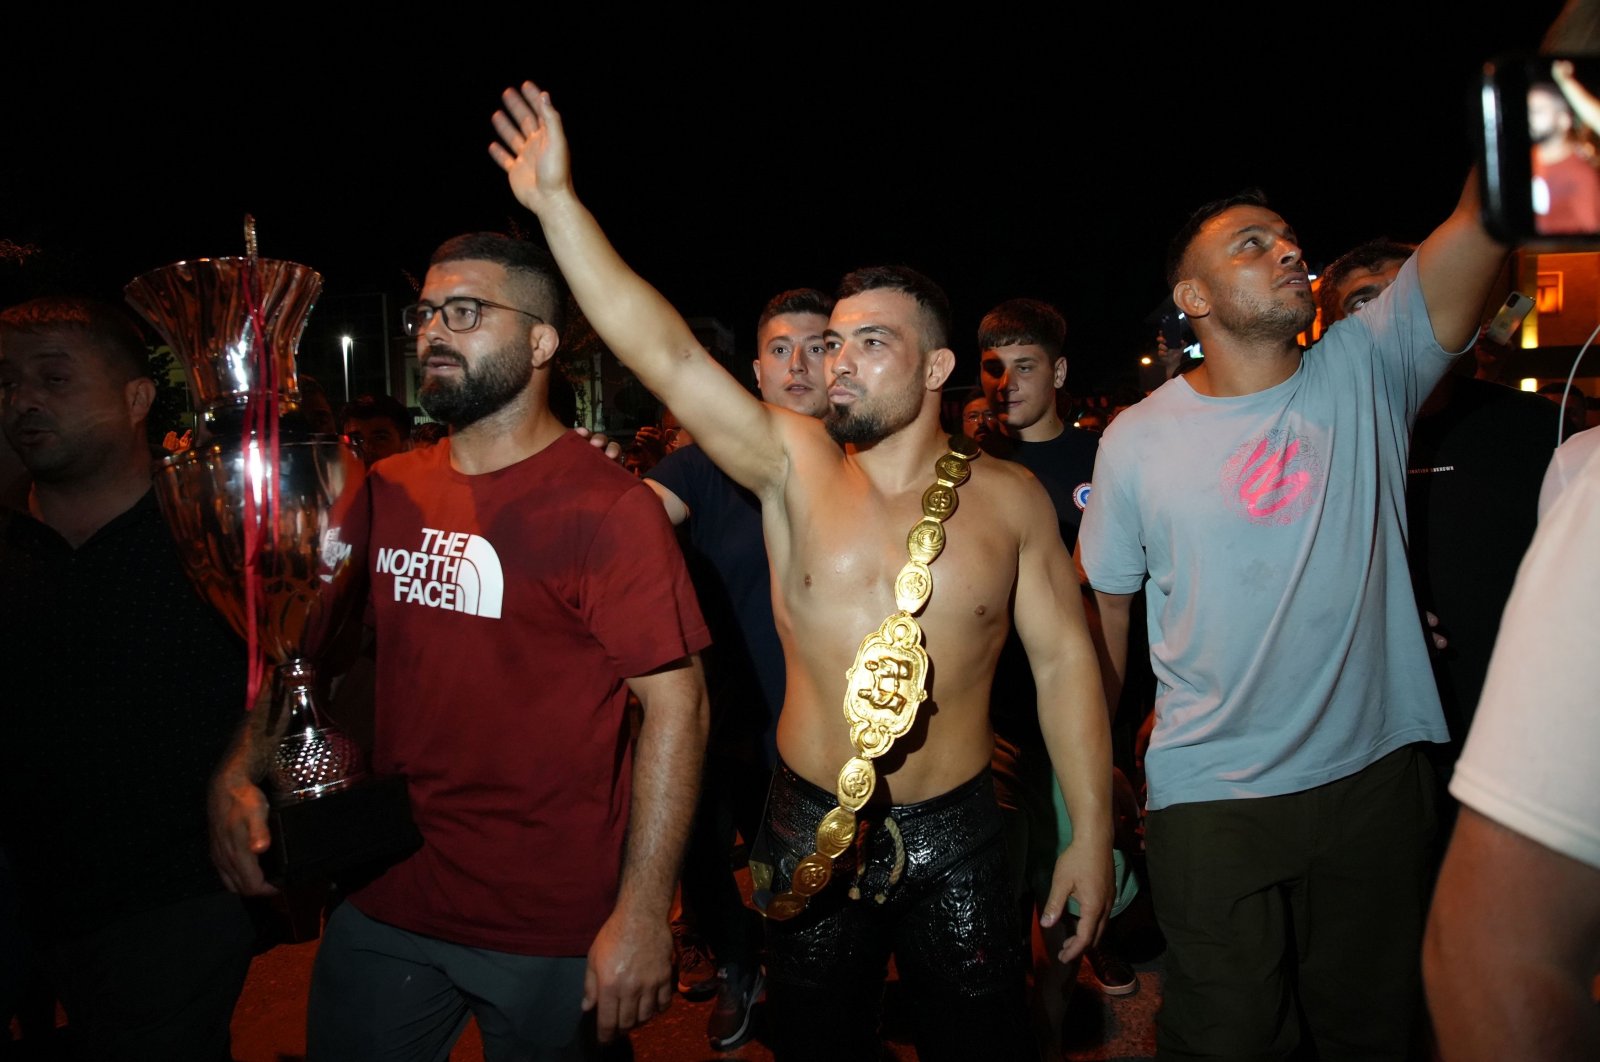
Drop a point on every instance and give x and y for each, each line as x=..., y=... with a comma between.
x=1286, y=642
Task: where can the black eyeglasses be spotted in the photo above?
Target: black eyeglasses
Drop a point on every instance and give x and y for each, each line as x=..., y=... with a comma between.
x=460, y=313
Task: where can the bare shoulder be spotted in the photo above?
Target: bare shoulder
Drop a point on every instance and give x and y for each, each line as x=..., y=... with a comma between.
x=1011, y=494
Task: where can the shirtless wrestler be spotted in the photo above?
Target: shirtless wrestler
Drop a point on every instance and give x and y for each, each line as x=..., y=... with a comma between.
x=926, y=878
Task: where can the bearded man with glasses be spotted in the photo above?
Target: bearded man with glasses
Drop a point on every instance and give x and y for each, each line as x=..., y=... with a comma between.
x=509, y=565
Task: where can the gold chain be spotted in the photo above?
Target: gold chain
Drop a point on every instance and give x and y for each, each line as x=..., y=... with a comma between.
x=884, y=687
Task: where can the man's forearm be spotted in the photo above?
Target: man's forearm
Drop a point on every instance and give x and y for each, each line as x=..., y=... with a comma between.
x=1110, y=636
x=1077, y=733
x=667, y=762
x=644, y=330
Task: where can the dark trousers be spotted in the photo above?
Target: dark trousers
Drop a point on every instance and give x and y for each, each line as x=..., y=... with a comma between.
x=1294, y=923
x=935, y=890
x=730, y=802
x=159, y=984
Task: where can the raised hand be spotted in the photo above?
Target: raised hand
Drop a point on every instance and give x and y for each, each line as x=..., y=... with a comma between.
x=532, y=148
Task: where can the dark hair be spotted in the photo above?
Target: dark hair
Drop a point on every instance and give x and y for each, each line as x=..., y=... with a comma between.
x=124, y=349
x=1364, y=257
x=1191, y=228
x=524, y=260
x=928, y=295
x=366, y=407
x=795, y=300
x=1018, y=322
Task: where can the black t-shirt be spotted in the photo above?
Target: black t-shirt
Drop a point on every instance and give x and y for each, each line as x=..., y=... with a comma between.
x=1472, y=497
x=1064, y=465
x=122, y=690
x=727, y=558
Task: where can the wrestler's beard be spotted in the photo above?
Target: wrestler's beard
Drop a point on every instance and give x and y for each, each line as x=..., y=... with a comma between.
x=484, y=389
x=870, y=419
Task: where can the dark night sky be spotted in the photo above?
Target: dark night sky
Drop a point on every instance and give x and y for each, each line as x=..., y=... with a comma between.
x=1050, y=158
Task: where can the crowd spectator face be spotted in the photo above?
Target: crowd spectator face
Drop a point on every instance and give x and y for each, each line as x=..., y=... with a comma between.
x=1549, y=116
x=977, y=419
x=68, y=402
x=1243, y=274
x=1020, y=383
x=376, y=437
x=1359, y=288
x=789, y=369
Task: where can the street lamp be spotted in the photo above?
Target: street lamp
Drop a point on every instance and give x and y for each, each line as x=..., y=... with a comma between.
x=346, y=342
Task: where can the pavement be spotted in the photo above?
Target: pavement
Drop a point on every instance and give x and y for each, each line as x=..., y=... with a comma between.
x=269, y=1023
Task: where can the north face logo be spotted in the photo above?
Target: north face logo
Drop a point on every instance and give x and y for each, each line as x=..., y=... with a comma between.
x=453, y=570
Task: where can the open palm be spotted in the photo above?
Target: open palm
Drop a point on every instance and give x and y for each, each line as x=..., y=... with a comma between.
x=532, y=148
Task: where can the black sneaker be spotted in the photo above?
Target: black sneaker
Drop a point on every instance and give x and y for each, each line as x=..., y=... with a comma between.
x=697, y=975
x=1115, y=976
x=729, y=1024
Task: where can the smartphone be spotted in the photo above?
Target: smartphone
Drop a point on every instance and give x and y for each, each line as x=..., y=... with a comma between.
x=1510, y=316
x=1540, y=162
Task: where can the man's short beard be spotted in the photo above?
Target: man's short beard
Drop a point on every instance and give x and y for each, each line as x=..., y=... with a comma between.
x=487, y=389
x=1273, y=321
x=869, y=420
x=852, y=426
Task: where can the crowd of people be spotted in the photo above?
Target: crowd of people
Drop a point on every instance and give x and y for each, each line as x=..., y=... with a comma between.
x=1248, y=655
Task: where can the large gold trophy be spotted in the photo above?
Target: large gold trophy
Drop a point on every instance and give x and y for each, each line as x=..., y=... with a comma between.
x=261, y=511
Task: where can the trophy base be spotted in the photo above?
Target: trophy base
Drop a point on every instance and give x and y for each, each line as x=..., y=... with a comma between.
x=342, y=836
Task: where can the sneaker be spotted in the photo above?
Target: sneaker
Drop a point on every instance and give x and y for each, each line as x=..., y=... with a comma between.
x=697, y=975
x=729, y=1023
x=1115, y=976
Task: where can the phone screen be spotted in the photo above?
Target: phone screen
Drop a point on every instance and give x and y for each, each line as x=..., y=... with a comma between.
x=1541, y=160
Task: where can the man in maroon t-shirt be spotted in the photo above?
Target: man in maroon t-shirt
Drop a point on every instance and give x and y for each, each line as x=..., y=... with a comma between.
x=511, y=565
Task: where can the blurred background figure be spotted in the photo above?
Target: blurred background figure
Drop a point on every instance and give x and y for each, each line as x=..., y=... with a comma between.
x=378, y=426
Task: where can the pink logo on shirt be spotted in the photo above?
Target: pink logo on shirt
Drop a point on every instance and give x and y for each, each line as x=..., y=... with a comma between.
x=1273, y=479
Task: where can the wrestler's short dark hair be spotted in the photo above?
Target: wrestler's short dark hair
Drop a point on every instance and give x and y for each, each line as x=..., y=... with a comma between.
x=795, y=300
x=527, y=262
x=368, y=407
x=1023, y=322
x=930, y=297
x=1364, y=257
x=1191, y=228
x=125, y=352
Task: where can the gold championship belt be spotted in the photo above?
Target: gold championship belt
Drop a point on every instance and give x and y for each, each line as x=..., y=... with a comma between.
x=884, y=687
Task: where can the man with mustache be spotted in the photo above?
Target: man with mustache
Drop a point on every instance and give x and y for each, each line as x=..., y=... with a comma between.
x=1290, y=809
x=511, y=564
x=882, y=835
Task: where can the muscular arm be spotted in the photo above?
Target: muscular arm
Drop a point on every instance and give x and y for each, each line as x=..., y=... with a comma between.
x=1072, y=716
x=739, y=432
x=1508, y=904
x=629, y=978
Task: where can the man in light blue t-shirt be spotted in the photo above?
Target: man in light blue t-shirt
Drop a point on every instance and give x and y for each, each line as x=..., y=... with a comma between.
x=1264, y=496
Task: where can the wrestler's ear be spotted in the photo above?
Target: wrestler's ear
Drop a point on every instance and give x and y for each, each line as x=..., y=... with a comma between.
x=941, y=364
x=544, y=340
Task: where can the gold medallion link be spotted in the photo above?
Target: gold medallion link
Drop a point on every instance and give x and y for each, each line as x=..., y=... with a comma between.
x=857, y=780
x=926, y=540
x=835, y=833
x=913, y=586
x=812, y=874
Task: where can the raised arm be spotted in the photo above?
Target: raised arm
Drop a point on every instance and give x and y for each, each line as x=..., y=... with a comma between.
x=1072, y=716
x=738, y=432
x=629, y=978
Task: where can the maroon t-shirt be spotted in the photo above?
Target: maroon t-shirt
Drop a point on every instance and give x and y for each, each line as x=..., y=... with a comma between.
x=509, y=609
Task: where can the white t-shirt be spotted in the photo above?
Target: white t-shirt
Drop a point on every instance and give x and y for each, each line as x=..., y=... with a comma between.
x=1532, y=760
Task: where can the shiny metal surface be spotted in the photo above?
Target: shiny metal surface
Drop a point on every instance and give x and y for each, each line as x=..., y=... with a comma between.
x=236, y=324
x=309, y=570
x=201, y=309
